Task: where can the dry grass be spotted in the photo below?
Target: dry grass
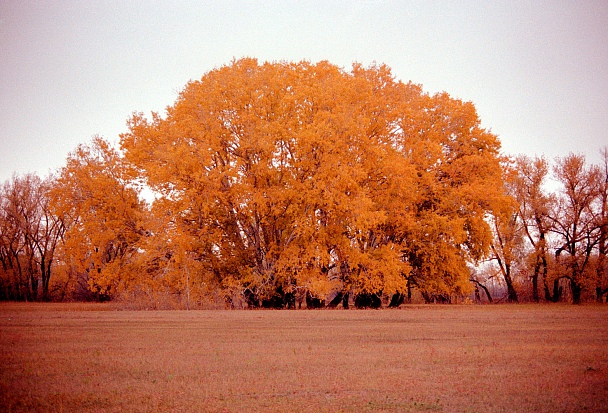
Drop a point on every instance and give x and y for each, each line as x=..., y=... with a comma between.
x=58, y=357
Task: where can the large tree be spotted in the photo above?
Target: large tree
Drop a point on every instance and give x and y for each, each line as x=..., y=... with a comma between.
x=283, y=180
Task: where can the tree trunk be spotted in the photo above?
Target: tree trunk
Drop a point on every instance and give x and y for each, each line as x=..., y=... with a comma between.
x=576, y=291
x=535, y=297
x=548, y=296
x=33, y=286
x=368, y=300
x=251, y=298
x=505, y=269
x=510, y=289
x=599, y=295
x=557, y=291
x=601, y=265
x=545, y=269
x=396, y=300
x=313, y=302
x=336, y=301
x=45, y=271
x=485, y=289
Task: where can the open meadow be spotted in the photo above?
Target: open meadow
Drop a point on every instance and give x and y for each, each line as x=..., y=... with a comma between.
x=503, y=358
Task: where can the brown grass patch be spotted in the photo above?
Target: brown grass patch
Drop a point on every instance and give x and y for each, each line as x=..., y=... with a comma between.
x=58, y=357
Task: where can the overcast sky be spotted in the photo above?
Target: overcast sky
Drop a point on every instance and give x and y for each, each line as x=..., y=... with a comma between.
x=537, y=71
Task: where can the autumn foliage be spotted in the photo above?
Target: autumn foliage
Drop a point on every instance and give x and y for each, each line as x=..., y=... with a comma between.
x=281, y=183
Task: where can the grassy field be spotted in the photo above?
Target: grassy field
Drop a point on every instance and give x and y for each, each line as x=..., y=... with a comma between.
x=517, y=358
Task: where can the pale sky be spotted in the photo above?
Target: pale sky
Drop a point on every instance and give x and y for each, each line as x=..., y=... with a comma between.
x=537, y=71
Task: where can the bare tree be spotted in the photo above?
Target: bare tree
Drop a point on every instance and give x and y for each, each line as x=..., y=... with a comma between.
x=575, y=220
x=535, y=206
x=30, y=233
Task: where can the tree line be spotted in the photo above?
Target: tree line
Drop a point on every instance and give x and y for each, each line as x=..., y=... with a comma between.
x=278, y=184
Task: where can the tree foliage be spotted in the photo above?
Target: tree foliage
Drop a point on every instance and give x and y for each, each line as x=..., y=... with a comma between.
x=278, y=183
